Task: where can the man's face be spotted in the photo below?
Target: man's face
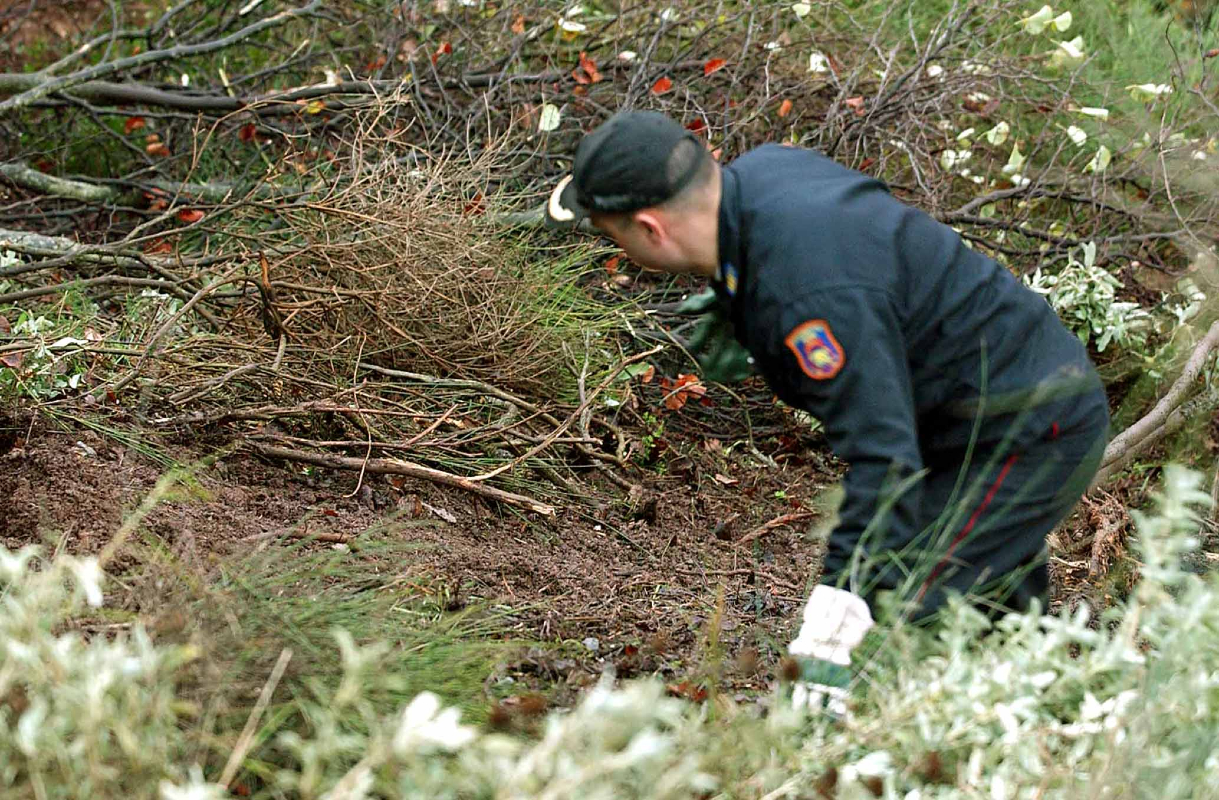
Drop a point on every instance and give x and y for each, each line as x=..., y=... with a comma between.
x=646, y=239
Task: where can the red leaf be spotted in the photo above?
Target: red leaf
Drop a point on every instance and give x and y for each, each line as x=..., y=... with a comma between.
x=690, y=691
x=785, y=108
x=444, y=49
x=247, y=132
x=587, y=71
x=867, y=162
x=133, y=124
x=697, y=126
x=714, y=65
x=648, y=374
x=661, y=86
x=158, y=247
x=475, y=206
x=190, y=215
x=611, y=266
x=857, y=104
x=375, y=64
x=630, y=650
x=329, y=512
x=157, y=149
x=518, y=24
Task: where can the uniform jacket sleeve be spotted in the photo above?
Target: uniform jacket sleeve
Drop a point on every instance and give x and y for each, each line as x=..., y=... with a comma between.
x=839, y=355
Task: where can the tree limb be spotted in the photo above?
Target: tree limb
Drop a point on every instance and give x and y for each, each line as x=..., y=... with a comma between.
x=27, y=177
x=384, y=466
x=46, y=87
x=1133, y=437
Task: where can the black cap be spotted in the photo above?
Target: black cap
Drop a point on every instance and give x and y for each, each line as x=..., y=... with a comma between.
x=633, y=160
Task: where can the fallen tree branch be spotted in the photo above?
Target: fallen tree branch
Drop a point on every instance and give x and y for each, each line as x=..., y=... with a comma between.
x=1176, y=420
x=27, y=177
x=47, y=87
x=384, y=466
x=777, y=522
x=1136, y=436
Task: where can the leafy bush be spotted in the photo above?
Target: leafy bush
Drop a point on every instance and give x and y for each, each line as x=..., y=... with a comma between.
x=1043, y=706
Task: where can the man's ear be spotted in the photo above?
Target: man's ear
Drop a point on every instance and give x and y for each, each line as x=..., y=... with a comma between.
x=651, y=222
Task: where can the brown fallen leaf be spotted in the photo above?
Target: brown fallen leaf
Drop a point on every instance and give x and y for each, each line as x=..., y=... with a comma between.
x=447, y=516
x=725, y=480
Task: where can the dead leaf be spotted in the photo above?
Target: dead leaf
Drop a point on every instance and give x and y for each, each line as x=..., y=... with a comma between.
x=648, y=374
x=1211, y=53
x=724, y=480
x=518, y=24
x=158, y=149
x=714, y=65
x=152, y=137
x=190, y=215
x=4, y=325
x=133, y=124
x=158, y=247
x=12, y=359
x=979, y=106
x=661, y=86
x=856, y=103
x=475, y=206
x=611, y=266
x=445, y=49
x=697, y=126
x=691, y=691
x=247, y=132
x=785, y=107
x=447, y=516
x=375, y=64
x=586, y=72
x=678, y=392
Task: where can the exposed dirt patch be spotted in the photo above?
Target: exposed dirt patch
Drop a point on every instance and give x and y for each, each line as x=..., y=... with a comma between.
x=641, y=576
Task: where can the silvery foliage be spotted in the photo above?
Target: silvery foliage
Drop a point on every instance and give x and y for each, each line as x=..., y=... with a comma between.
x=1085, y=297
x=1044, y=706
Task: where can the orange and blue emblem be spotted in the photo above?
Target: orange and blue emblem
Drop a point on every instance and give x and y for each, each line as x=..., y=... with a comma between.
x=818, y=352
x=730, y=278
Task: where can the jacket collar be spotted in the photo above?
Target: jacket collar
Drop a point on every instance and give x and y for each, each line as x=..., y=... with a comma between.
x=730, y=274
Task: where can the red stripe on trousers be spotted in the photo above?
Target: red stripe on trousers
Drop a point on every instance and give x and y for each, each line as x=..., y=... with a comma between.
x=990, y=495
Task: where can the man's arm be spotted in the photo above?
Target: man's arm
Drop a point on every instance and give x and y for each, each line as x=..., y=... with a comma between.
x=843, y=360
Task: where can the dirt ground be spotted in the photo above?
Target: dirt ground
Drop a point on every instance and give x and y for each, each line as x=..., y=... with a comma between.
x=631, y=586
x=641, y=579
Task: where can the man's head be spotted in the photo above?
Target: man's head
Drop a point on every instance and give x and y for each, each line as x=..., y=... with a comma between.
x=651, y=186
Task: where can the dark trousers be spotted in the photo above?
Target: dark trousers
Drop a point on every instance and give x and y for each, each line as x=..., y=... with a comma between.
x=986, y=515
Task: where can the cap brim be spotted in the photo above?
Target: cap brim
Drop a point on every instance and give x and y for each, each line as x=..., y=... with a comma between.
x=562, y=209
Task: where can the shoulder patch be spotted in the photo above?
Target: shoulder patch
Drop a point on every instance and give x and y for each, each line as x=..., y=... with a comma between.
x=818, y=352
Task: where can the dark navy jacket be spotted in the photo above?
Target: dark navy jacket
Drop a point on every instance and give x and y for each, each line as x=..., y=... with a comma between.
x=879, y=321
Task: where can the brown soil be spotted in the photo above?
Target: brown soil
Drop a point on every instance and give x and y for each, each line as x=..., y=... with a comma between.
x=641, y=578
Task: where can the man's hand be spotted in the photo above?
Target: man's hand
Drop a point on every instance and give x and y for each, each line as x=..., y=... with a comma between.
x=720, y=357
x=835, y=621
